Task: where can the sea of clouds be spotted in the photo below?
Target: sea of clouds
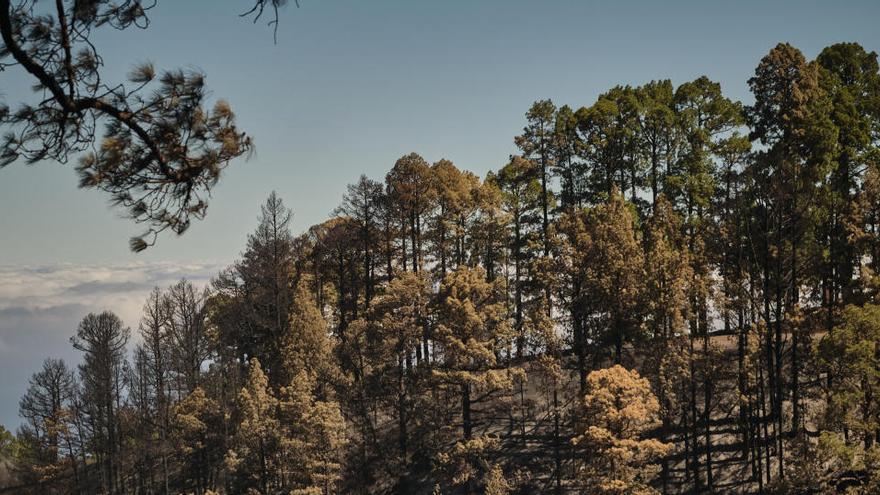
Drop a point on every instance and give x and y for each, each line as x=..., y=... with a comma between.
x=41, y=305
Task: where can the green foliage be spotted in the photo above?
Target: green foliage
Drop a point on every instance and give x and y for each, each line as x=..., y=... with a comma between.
x=849, y=357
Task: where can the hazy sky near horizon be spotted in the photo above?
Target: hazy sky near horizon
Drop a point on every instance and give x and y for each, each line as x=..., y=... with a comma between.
x=350, y=86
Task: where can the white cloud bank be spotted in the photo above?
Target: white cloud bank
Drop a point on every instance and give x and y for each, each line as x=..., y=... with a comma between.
x=41, y=305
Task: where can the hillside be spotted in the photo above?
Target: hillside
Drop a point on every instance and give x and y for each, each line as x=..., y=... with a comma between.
x=665, y=290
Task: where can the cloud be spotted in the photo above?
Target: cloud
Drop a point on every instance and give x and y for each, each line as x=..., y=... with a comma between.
x=41, y=306
x=95, y=287
x=121, y=288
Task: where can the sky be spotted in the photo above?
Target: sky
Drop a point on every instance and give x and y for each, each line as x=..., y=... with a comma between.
x=349, y=87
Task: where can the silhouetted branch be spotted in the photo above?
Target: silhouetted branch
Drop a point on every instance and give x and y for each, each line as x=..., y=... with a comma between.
x=160, y=153
x=259, y=8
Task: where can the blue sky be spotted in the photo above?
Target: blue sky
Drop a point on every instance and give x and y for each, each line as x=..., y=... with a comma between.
x=351, y=86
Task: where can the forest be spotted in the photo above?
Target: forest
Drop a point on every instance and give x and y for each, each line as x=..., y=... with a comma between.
x=663, y=291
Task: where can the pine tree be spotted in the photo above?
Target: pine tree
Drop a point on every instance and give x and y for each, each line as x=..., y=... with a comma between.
x=613, y=276
x=850, y=77
x=313, y=438
x=161, y=149
x=707, y=120
x=307, y=344
x=336, y=270
x=472, y=330
x=488, y=234
x=467, y=466
x=253, y=456
x=196, y=428
x=410, y=192
x=521, y=201
x=394, y=330
x=189, y=342
x=566, y=147
x=790, y=119
x=456, y=198
x=257, y=290
x=155, y=363
x=608, y=129
x=102, y=339
x=657, y=132
x=618, y=409
x=536, y=143
x=668, y=278
x=363, y=202
x=45, y=407
x=850, y=356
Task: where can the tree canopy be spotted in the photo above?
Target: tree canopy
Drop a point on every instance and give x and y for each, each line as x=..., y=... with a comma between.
x=665, y=291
